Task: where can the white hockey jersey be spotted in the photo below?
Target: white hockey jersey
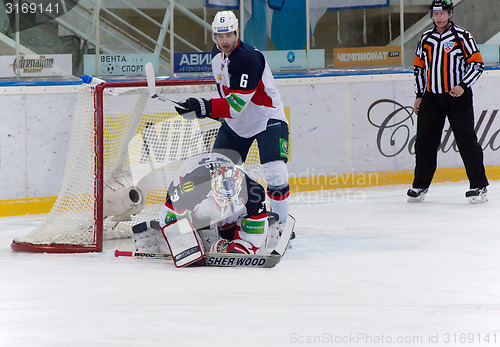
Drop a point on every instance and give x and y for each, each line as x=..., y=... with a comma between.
x=189, y=196
x=249, y=96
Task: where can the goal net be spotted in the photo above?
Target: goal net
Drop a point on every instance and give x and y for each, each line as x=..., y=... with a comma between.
x=125, y=148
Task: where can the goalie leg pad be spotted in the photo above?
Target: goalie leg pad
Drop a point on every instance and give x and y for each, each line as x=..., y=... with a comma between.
x=273, y=235
x=149, y=239
x=184, y=242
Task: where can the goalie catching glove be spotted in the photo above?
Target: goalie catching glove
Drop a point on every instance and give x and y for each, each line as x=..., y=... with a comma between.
x=201, y=107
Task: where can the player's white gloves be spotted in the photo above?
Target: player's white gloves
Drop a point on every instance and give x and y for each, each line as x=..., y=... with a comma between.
x=201, y=108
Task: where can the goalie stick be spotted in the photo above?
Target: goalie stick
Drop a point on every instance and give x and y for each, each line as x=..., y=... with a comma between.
x=233, y=259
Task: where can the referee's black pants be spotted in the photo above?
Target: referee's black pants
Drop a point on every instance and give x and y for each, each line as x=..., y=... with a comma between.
x=430, y=122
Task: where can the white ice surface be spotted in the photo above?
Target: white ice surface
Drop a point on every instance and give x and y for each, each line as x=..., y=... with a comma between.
x=366, y=269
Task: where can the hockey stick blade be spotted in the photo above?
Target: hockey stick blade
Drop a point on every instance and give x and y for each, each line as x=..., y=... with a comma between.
x=241, y=260
x=151, y=79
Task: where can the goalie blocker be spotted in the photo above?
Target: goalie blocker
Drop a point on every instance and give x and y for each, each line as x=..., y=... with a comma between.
x=180, y=241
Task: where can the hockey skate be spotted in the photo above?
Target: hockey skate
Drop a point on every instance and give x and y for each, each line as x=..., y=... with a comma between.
x=477, y=195
x=416, y=194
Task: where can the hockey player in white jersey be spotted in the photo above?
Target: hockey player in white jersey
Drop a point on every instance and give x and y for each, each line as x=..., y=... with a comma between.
x=211, y=205
x=250, y=107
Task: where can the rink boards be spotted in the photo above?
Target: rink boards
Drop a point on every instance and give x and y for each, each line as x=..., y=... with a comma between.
x=345, y=132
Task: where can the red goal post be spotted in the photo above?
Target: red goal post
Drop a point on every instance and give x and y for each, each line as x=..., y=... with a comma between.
x=124, y=150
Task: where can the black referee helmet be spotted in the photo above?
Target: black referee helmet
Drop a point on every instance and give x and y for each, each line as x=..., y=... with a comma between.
x=442, y=5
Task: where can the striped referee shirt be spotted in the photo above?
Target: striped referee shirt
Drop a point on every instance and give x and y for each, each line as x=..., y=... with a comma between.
x=443, y=61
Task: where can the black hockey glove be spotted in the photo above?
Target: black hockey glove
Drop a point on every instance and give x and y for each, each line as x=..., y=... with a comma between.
x=201, y=108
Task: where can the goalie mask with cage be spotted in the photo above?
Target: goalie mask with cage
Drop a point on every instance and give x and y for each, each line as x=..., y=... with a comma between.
x=226, y=183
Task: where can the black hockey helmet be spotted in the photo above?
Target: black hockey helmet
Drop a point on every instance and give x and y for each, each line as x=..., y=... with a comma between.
x=442, y=5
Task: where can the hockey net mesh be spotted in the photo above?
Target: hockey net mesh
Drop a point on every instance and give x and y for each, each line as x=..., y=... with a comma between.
x=145, y=142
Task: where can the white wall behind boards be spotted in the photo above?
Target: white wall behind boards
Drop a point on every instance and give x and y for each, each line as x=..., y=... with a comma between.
x=34, y=139
x=366, y=123
x=317, y=126
x=338, y=125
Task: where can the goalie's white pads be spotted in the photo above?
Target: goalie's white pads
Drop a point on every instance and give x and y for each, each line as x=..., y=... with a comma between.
x=273, y=235
x=184, y=242
x=148, y=238
x=274, y=231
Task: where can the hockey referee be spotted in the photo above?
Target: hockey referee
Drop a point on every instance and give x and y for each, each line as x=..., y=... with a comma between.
x=447, y=63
